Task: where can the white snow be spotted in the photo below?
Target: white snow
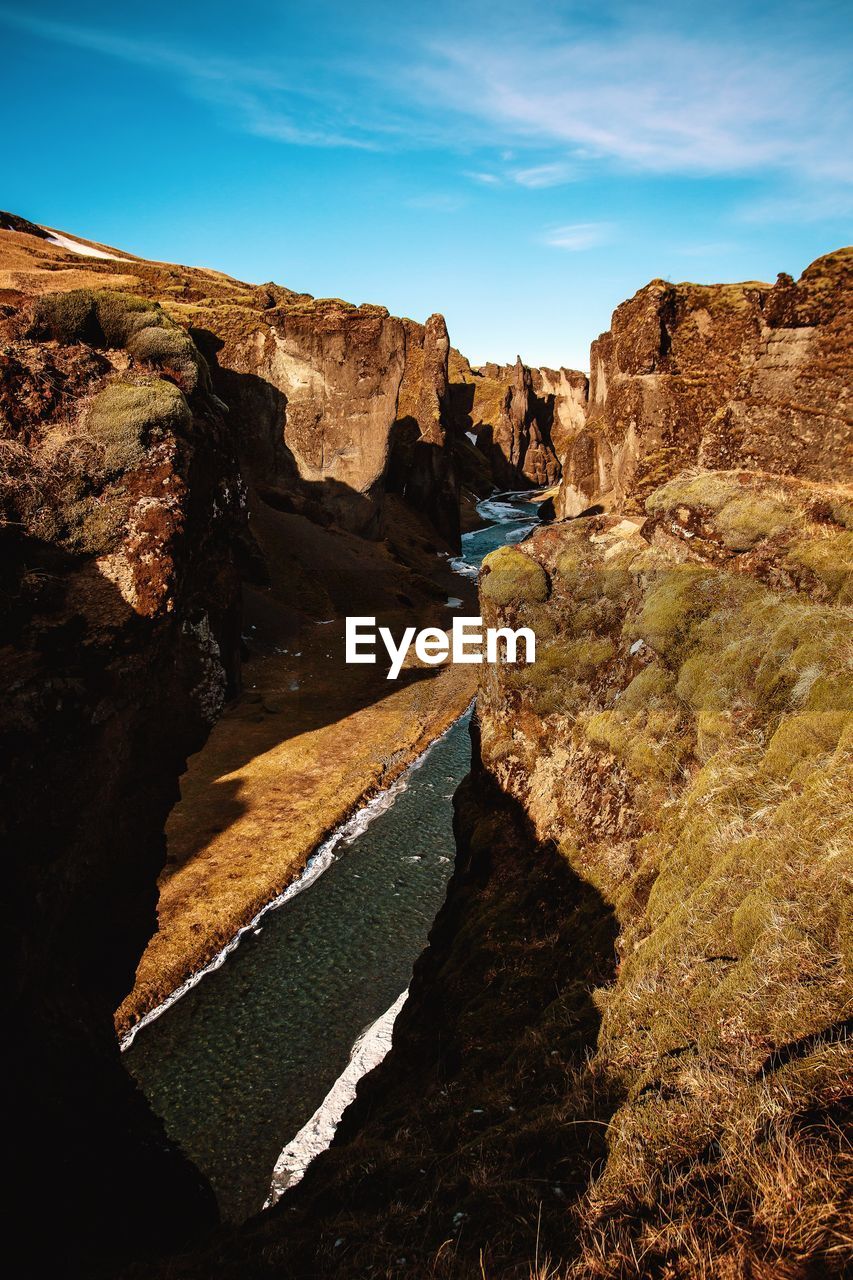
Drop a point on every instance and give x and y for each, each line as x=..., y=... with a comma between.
x=85, y=250
x=315, y=1136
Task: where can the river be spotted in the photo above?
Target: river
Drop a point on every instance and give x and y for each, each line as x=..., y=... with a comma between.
x=245, y=1058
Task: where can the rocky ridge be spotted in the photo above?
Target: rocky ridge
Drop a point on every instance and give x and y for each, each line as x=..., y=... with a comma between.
x=626, y=1051
x=719, y=376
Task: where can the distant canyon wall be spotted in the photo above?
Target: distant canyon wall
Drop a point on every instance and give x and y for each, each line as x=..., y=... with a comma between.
x=518, y=420
x=716, y=376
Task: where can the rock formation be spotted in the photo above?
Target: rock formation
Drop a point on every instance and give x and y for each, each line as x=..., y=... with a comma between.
x=136, y=437
x=120, y=509
x=740, y=375
x=510, y=414
x=626, y=1050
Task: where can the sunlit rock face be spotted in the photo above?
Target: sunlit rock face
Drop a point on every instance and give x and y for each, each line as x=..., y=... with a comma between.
x=351, y=401
x=741, y=375
x=518, y=419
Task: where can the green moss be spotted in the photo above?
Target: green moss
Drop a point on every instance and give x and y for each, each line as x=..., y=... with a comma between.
x=744, y=521
x=126, y=418
x=647, y=744
x=680, y=598
x=830, y=559
x=801, y=739
x=558, y=681
x=120, y=315
x=169, y=349
x=122, y=321
x=710, y=490
x=510, y=577
x=648, y=688
x=68, y=317
x=740, y=512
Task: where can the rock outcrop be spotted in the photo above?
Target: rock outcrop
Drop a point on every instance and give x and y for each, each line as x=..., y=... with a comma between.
x=740, y=375
x=626, y=1051
x=120, y=509
x=516, y=419
x=146, y=412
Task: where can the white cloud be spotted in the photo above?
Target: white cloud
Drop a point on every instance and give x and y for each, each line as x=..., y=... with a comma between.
x=545, y=175
x=260, y=100
x=578, y=236
x=487, y=179
x=659, y=102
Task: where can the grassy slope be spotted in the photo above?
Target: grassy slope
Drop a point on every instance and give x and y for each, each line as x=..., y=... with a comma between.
x=684, y=738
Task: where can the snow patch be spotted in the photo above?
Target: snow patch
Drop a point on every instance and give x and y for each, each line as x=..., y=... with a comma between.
x=85, y=250
x=315, y=1136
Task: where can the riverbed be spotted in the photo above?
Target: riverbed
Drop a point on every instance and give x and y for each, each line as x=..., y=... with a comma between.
x=242, y=1061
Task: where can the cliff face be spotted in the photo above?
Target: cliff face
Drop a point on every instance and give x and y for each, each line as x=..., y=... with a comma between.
x=325, y=397
x=740, y=375
x=627, y=1047
x=120, y=504
x=519, y=417
x=145, y=412
x=626, y=1050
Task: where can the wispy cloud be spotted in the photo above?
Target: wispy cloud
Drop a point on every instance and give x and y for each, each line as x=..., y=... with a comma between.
x=554, y=174
x=661, y=93
x=259, y=99
x=653, y=101
x=485, y=179
x=578, y=236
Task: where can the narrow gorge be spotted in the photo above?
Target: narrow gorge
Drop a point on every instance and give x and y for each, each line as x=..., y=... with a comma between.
x=625, y=1046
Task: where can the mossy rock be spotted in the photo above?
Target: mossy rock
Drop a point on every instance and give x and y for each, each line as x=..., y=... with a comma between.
x=169, y=349
x=647, y=688
x=710, y=490
x=103, y=317
x=801, y=740
x=829, y=559
x=742, y=515
x=681, y=598
x=115, y=320
x=126, y=418
x=509, y=577
x=748, y=519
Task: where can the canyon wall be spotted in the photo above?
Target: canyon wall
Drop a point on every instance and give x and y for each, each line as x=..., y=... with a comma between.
x=153, y=421
x=121, y=509
x=327, y=400
x=626, y=1048
x=516, y=419
x=739, y=375
x=626, y=1051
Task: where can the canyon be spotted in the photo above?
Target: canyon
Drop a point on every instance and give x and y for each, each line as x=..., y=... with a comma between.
x=625, y=1049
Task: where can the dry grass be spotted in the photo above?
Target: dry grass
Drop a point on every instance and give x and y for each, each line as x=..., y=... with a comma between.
x=698, y=770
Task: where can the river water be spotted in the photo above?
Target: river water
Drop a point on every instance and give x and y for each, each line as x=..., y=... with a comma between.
x=245, y=1058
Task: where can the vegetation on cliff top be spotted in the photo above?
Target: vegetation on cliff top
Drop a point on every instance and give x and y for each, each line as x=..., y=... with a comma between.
x=707, y=666
x=115, y=320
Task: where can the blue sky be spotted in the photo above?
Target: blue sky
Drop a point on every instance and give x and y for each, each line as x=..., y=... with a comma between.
x=522, y=169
